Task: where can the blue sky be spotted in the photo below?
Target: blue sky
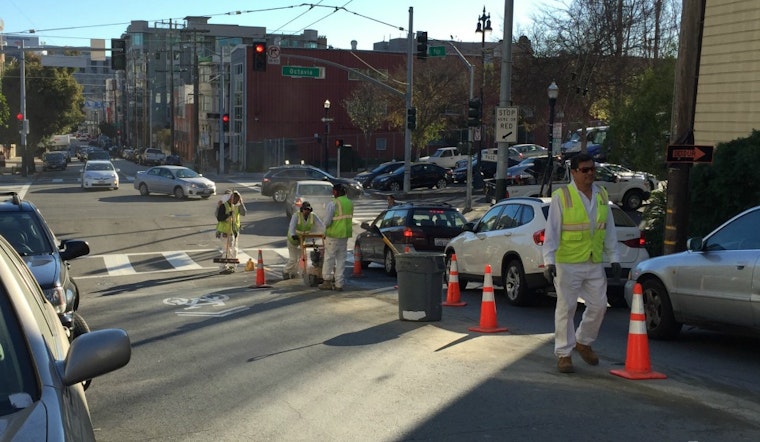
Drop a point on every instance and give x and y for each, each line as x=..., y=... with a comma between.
x=367, y=21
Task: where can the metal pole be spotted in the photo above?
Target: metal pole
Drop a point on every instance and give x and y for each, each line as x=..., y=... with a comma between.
x=198, y=160
x=505, y=98
x=221, y=112
x=408, y=132
x=22, y=108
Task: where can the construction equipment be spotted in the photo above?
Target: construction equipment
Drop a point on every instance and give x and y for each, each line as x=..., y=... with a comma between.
x=312, y=257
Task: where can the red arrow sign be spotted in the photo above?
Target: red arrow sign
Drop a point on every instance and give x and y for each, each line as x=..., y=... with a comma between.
x=689, y=154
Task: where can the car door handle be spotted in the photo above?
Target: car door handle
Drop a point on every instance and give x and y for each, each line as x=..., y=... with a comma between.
x=741, y=266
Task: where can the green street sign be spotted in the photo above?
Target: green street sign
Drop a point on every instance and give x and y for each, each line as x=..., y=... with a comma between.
x=437, y=51
x=303, y=72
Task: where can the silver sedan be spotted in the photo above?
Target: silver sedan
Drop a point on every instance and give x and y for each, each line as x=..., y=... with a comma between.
x=174, y=180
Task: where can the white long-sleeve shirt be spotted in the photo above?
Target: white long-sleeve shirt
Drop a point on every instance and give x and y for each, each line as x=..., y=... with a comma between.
x=553, y=230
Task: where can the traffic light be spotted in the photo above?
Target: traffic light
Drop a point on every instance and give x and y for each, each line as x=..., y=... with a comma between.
x=118, y=54
x=422, y=45
x=411, y=118
x=226, y=122
x=260, y=57
x=339, y=143
x=473, y=113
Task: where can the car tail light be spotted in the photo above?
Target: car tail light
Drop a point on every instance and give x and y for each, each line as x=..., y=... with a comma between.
x=538, y=237
x=265, y=180
x=636, y=243
x=408, y=233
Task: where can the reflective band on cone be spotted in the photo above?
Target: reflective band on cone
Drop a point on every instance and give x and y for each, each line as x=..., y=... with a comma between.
x=453, y=295
x=488, y=308
x=637, y=363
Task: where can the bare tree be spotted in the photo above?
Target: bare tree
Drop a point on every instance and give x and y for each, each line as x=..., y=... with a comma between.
x=367, y=107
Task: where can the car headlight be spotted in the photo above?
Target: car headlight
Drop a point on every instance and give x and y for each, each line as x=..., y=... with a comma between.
x=56, y=297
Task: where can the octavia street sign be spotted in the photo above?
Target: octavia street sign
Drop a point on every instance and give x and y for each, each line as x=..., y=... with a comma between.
x=303, y=72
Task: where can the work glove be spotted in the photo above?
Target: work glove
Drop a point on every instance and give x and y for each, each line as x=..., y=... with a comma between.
x=294, y=237
x=550, y=272
x=617, y=271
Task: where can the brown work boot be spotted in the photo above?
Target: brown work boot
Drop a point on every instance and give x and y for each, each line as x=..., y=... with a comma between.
x=587, y=354
x=565, y=364
x=326, y=285
x=337, y=289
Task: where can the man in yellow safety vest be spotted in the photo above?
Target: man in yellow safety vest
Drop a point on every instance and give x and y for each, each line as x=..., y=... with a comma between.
x=302, y=222
x=340, y=212
x=580, y=231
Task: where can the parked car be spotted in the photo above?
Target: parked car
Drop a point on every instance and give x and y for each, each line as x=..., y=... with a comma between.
x=595, y=137
x=173, y=160
x=530, y=150
x=445, y=157
x=712, y=284
x=366, y=177
x=459, y=173
x=53, y=161
x=623, y=171
x=509, y=237
x=23, y=226
x=174, y=180
x=317, y=193
x=99, y=174
x=419, y=227
x=42, y=395
x=278, y=179
x=421, y=175
x=151, y=156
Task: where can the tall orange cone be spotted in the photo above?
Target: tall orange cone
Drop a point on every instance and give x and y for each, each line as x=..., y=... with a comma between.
x=452, y=293
x=357, y=263
x=260, y=276
x=488, y=308
x=637, y=363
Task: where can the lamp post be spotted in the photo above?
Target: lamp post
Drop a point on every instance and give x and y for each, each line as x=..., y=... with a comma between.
x=484, y=25
x=552, y=91
x=326, y=119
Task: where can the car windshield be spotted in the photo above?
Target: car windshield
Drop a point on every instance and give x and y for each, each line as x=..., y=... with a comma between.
x=24, y=232
x=186, y=173
x=315, y=189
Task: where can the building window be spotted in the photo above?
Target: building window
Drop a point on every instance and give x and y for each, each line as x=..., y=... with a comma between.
x=381, y=144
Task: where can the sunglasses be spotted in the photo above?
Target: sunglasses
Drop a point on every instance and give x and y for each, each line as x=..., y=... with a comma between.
x=586, y=169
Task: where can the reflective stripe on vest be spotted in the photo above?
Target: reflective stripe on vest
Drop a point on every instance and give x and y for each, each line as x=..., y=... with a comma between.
x=576, y=241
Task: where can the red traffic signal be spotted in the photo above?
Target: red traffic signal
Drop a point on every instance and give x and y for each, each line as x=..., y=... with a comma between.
x=226, y=122
x=260, y=57
x=260, y=48
x=226, y=118
x=20, y=116
x=338, y=143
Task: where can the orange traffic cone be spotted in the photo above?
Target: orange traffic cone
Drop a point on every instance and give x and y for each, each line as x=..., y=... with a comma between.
x=250, y=266
x=260, y=276
x=453, y=294
x=637, y=363
x=357, y=263
x=488, y=308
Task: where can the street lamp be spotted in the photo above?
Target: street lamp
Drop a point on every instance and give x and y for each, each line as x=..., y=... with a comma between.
x=484, y=25
x=326, y=119
x=553, y=92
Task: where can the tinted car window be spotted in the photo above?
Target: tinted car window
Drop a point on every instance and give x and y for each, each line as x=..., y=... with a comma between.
x=490, y=219
x=509, y=218
x=735, y=235
x=23, y=231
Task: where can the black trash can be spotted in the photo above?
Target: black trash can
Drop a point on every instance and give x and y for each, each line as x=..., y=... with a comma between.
x=420, y=285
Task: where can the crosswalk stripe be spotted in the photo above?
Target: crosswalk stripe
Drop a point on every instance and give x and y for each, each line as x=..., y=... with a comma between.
x=181, y=261
x=118, y=265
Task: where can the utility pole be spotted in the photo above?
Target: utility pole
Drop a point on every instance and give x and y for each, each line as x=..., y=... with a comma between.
x=682, y=124
x=409, y=89
x=25, y=157
x=505, y=96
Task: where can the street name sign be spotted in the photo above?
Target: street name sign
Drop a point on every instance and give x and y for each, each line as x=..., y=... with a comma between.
x=437, y=51
x=687, y=153
x=506, y=124
x=303, y=72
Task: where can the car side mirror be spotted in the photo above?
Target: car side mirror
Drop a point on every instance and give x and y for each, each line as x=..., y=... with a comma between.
x=695, y=244
x=469, y=227
x=365, y=225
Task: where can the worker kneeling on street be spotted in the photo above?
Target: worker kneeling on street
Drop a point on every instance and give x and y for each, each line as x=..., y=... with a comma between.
x=301, y=223
x=340, y=212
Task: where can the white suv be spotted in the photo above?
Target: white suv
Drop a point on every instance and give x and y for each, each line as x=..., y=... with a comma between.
x=509, y=237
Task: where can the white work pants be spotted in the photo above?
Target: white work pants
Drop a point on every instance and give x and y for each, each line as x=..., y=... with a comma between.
x=229, y=248
x=294, y=256
x=573, y=281
x=335, y=260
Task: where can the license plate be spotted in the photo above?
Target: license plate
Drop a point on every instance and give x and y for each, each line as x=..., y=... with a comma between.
x=441, y=242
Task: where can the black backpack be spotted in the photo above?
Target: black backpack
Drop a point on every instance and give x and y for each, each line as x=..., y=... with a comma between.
x=221, y=213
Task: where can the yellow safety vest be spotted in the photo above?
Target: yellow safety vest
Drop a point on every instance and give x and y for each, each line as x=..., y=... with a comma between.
x=227, y=225
x=341, y=222
x=576, y=243
x=303, y=226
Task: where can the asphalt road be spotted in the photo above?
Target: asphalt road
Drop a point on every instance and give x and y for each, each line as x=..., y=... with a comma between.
x=215, y=358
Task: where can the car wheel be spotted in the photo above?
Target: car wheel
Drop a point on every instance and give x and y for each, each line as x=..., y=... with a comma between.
x=179, y=193
x=395, y=187
x=661, y=323
x=144, y=189
x=441, y=184
x=279, y=195
x=79, y=328
x=632, y=200
x=205, y=197
x=389, y=263
x=515, y=287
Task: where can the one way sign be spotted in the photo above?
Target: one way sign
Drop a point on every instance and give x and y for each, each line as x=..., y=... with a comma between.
x=685, y=153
